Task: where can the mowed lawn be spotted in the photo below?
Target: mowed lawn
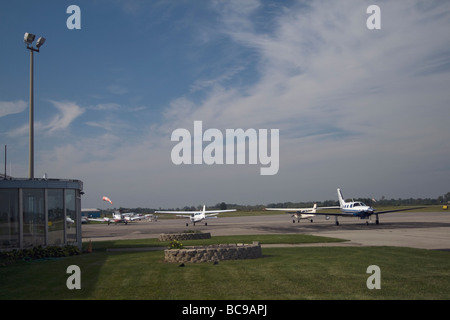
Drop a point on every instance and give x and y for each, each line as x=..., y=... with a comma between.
x=282, y=273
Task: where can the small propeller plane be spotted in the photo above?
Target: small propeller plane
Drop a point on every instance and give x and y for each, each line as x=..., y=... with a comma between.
x=302, y=213
x=121, y=217
x=358, y=209
x=197, y=216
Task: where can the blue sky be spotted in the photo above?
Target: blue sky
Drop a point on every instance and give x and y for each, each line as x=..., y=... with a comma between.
x=363, y=110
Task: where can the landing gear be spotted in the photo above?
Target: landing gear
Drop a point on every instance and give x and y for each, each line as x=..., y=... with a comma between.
x=337, y=221
x=193, y=223
x=377, y=220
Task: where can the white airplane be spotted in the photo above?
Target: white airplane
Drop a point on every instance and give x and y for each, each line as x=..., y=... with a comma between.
x=302, y=213
x=358, y=209
x=121, y=217
x=197, y=216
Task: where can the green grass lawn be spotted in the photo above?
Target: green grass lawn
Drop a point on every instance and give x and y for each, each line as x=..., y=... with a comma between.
x=282, y=273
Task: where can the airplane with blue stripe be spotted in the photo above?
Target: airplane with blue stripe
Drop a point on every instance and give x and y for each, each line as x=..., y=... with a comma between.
x=358, y=209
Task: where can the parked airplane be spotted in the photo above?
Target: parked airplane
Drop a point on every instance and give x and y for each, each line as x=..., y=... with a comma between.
x=302, y=213
x=121, y=217
x=197, y=216
x=358, y=209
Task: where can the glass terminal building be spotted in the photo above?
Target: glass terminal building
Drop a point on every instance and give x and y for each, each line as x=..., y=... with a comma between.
x=35, y=212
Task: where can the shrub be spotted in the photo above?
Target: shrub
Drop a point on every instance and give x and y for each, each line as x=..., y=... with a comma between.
x=36, y=253
x=175, y=244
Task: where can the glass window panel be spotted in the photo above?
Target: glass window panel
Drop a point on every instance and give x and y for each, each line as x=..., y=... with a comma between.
x=9, y=218
x=55, y=206
x=33, y=217
x=71, y=217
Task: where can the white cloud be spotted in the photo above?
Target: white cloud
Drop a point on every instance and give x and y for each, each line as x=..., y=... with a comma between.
x=321, y=65
x=22, y=130
x=12, y=107
x=372, y=103
x=210, y=83
x=69, y=111
x=105, y=106
x=110, y=124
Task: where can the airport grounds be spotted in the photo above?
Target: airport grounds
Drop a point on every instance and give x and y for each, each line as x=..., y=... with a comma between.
x=300, y=261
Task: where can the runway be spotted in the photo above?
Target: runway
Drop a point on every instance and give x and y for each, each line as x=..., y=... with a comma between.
x=424, y=230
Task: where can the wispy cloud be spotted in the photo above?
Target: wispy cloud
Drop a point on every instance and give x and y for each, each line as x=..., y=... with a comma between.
x=203, y=84
x=117, y=89
x=105, y=106
x=335, y=89
x=68, y=112
x=322, y=66
x=12, y=107
x=111, y=124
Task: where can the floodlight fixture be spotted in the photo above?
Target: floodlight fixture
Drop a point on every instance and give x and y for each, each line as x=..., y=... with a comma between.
x=40, y=42
x=29, y=38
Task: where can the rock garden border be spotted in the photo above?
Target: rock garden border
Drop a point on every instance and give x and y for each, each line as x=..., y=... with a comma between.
x=183, y=236
x=214, y=253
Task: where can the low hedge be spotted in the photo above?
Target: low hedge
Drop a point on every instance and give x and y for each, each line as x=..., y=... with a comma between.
x=36, y=253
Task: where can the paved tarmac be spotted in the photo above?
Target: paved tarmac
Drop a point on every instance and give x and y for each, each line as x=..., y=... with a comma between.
x=425, y=230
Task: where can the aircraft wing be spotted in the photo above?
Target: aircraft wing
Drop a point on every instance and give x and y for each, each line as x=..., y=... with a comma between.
x=178, y=212
x=184, y=216
x=288, y=209
x=406, y=209
x=214, y=213
x=333, y=214
x=193, y=212
x=97, y=219
x=375, y=212
x=301, y=209
x=137, y=217
x=219, y=211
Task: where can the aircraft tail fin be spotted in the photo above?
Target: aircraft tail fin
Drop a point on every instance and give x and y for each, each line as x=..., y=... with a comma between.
x=341, y=198
x=314, y=208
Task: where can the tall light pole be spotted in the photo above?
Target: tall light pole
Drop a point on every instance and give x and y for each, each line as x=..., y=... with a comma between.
x=28, y=39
